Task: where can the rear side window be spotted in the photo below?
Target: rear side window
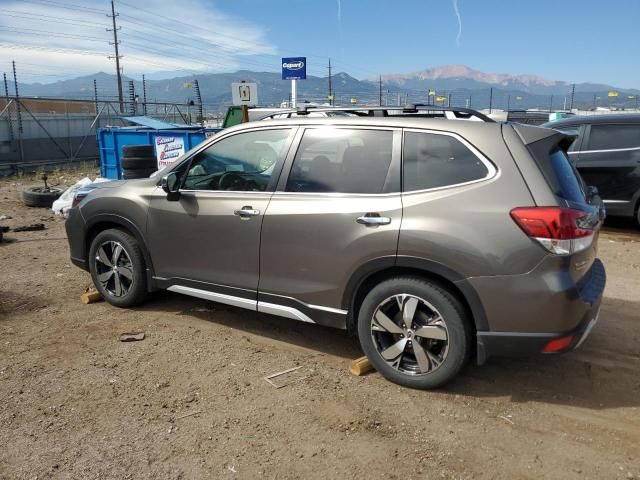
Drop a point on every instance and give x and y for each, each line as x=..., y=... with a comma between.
x=562, y=176
x=336, y=160
x=432, y=160
x=609, y=137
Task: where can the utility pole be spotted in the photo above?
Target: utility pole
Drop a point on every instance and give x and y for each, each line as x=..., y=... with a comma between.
x=117, y=55
x=551, y=104
x=490, y=99
x=508, y=102
x=573, y=91
x=330, y=96
x=380, y=91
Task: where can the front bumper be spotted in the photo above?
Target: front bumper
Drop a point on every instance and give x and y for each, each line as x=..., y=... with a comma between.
x=76, y=235
x=590, y=291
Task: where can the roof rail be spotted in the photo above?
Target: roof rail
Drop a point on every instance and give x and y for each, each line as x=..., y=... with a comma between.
x=388, y=111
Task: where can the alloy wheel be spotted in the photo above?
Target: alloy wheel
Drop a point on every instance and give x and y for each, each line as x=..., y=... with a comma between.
x=114, y=268
x=410, y=334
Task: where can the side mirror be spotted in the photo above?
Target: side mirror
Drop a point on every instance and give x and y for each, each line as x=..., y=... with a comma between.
x=171, y=186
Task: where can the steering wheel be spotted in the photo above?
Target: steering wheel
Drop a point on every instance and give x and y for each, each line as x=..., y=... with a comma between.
x=230, y=181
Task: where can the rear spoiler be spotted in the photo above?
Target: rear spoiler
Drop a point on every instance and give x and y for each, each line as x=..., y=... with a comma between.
x=546, y=136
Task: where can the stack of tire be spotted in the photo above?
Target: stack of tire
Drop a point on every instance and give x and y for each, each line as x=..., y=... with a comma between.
x=138, y=161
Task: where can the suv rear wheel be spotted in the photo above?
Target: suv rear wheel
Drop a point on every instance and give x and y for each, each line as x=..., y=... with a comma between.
x=117, y=268
x=414, y=332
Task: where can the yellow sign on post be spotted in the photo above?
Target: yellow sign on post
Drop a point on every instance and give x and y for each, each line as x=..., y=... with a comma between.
x=440, y=99
x=519, y=97
x=354, y=100
x=432, y=93
x=612, y=93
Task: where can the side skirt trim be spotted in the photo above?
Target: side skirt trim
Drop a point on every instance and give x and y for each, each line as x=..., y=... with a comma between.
x=216, y=297
x=282, y=311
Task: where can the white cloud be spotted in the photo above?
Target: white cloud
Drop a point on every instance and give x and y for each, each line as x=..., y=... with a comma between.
x=50, y=42
x=455, y=9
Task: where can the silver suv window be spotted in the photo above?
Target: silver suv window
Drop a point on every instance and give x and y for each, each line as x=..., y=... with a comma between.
x=241, y=162
x=432, y=160
x=337, y=160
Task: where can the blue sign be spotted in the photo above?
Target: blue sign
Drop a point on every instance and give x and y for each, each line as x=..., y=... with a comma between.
x=294, y=68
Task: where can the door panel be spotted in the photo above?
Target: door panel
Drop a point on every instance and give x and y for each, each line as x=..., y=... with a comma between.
x=200, y=237
x=312, y=244
x=610, y=160
x=337, y=206
x=615, y=173
x=212, y=232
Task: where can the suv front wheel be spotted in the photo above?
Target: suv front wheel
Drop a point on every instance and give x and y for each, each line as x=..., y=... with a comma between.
x=414, y=332
x=117, y=268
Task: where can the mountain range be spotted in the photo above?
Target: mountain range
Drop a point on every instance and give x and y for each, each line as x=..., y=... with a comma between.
x=458, y=84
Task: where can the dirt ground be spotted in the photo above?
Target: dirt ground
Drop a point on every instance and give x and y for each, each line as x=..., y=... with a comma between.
x=190, y=400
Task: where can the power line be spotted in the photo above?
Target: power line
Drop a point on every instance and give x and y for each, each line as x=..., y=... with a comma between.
x=53, y=34
x=68, y=6
x=42, y=18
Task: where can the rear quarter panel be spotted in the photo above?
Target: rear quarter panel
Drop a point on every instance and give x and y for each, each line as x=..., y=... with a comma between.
x=468, y=228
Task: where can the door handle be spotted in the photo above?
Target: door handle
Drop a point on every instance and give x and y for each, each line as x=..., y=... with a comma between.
x=246, y=212
x=373, y=220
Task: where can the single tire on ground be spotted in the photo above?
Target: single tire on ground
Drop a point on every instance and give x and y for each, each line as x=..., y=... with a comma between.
x=39, y=197
x=439, y=330
x=117, y=267
x=135, y=163
x=138, y=173
x=138, y=151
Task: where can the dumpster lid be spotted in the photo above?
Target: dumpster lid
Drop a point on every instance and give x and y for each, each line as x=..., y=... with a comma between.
x=155, y=123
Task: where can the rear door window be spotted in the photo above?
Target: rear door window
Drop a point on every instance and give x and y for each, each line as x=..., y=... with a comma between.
x=612, y=137
x=340, y=160
x=434, y=160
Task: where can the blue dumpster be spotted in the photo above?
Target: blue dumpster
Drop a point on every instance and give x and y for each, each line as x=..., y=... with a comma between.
x=169, y=144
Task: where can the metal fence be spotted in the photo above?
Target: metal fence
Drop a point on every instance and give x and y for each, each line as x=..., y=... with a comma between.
x=42, y=132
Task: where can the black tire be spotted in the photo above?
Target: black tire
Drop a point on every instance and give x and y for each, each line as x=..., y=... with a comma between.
x=137, y=163
x=39, y=197
x=143, y=151
x=140, y=173
x=132, y=260
x=453, y=352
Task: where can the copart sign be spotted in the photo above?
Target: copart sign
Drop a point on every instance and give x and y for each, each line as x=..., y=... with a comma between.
x=294, y=68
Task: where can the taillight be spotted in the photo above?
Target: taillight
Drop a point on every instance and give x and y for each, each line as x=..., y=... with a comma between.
x=558, y=345
x=559, y=230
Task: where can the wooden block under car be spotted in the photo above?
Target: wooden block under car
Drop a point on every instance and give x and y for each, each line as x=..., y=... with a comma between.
x=90, y=296
x=360, y=366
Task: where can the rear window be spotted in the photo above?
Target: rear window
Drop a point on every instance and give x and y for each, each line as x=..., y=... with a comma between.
x=609, y=137
x=562, y=176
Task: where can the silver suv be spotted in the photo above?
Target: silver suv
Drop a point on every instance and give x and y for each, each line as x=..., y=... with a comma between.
x=431, y=239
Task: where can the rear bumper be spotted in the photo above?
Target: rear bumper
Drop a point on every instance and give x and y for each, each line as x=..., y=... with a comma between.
x=586, y=305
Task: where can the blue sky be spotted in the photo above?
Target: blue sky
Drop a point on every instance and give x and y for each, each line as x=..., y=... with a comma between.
x=576, y=41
